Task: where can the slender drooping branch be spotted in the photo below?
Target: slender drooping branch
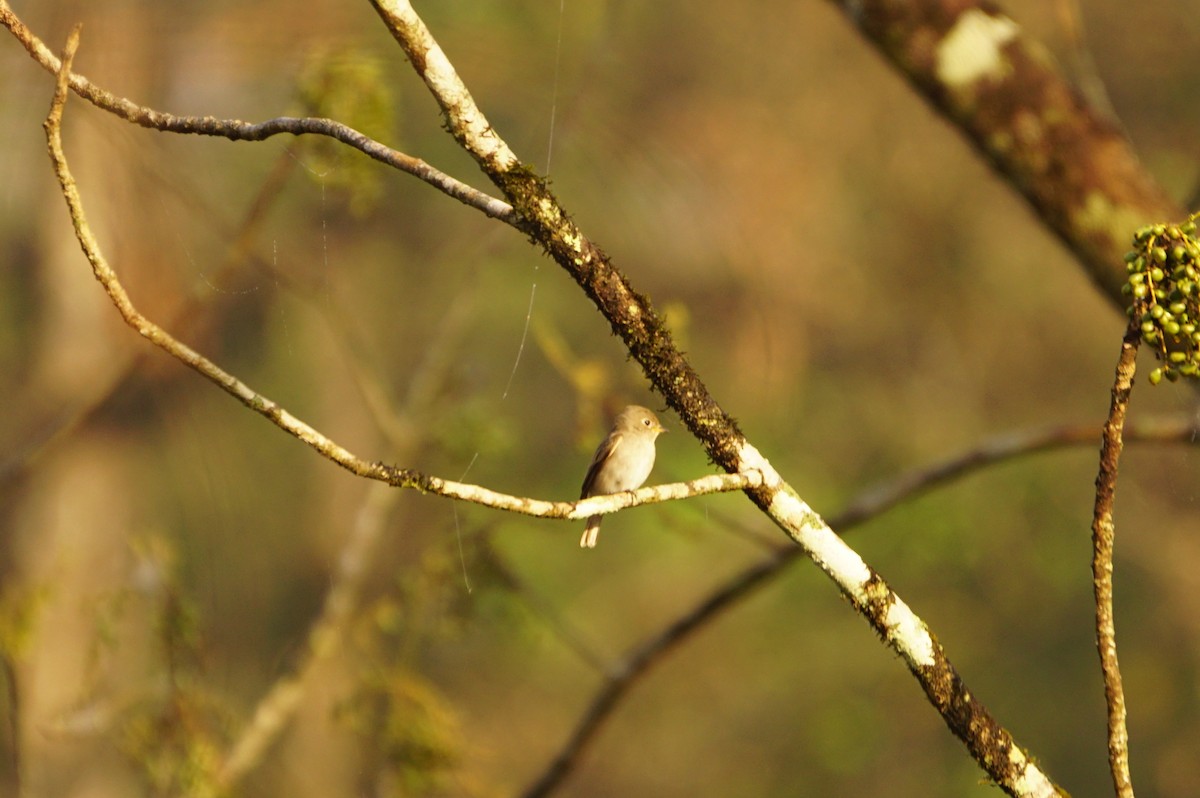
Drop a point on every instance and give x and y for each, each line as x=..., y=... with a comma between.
x=633, y=318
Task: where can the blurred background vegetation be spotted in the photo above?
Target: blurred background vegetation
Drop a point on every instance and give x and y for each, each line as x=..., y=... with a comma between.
x=854, y=285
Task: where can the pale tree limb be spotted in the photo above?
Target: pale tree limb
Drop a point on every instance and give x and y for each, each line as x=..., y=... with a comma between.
x=649, y=342
x=1103, y=535
x=868, y=505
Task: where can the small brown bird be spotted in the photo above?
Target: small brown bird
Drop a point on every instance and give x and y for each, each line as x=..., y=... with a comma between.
x=622, y=461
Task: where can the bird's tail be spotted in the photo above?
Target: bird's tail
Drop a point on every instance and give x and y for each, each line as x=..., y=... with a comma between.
x=590, y=533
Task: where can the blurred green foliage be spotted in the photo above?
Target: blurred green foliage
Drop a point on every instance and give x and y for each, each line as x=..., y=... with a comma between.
x=348, y=85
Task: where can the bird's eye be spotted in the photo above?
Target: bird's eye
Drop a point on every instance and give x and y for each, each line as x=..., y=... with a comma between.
x=646, y=421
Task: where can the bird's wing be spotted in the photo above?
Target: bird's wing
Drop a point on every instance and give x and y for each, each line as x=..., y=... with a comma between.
x=605, y=451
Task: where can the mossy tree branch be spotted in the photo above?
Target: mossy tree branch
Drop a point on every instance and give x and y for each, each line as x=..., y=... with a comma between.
x=1002, y=91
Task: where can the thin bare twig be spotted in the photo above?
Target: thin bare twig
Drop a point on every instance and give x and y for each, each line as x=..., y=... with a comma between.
x=1103, y=534
x=237, y=130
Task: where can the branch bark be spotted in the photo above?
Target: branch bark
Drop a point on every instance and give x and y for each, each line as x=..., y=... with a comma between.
x=1103, y=536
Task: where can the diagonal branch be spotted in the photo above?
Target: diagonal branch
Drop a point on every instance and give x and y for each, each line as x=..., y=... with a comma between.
x=649, y=342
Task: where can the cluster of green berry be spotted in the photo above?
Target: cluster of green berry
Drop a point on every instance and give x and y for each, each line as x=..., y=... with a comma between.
x=1164, y=281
